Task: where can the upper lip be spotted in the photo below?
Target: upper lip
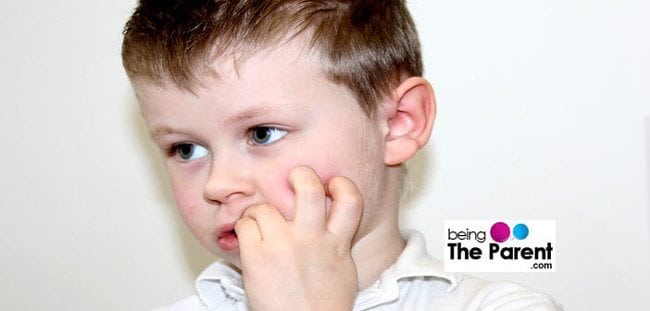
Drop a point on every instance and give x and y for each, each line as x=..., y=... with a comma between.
x=230, y=217
x=226, y=229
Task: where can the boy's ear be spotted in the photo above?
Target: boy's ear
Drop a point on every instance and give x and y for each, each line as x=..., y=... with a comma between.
x=410, y=116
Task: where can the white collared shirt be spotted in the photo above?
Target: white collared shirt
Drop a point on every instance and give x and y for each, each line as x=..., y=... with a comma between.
x=416, y=281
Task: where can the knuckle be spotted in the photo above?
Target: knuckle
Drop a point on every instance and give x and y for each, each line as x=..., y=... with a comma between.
x=243, y=223
x=347, y=192
x=341, y=180
x=266, y=209
x=256, y=209
x=300, y=169
x=344, y=184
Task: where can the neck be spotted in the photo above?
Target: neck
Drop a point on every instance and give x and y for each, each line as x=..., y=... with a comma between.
x=378, y=248
x=377, y=251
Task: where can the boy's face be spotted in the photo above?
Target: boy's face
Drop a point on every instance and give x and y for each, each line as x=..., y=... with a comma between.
x=233, y=143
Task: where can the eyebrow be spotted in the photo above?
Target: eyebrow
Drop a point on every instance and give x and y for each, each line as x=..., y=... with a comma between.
x=157, y=132
x=252, y=113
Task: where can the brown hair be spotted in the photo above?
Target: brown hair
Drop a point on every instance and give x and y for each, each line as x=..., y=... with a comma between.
x=367, y=45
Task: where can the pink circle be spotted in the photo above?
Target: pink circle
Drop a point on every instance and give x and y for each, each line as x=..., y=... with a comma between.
x=500, y=232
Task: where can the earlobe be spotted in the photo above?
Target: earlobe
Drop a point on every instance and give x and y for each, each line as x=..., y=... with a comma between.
x=410, y=120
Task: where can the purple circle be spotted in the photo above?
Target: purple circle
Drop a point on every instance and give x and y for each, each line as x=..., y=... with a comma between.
x=500, y=232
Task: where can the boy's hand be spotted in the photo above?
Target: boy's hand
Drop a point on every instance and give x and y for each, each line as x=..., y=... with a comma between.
x=304, y=264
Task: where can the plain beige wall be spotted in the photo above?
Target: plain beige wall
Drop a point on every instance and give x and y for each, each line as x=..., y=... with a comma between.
x=541, y=116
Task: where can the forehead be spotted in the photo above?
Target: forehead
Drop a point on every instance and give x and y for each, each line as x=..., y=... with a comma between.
x=284, y=76
x=286, y=56
x=242, y=61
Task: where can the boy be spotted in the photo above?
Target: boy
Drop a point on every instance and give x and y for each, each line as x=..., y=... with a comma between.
x=285, y=126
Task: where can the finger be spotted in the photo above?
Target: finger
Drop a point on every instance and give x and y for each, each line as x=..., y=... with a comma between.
x=248, y=233
x=310, y=209
x=346, y=209
x=269, y=220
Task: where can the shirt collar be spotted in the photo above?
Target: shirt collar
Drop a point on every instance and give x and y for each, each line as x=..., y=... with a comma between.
x=413, y=262
x=219, y=284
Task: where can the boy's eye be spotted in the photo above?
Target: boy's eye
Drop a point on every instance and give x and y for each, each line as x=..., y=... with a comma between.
x=187, y=151
x=264, y=135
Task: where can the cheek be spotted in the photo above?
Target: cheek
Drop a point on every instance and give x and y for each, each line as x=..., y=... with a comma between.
x=189, y=204
x=275, y=183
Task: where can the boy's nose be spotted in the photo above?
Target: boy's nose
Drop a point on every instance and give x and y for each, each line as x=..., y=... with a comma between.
x=227, y=182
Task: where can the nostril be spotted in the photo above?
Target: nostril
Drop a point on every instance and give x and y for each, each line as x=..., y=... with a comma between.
x=211, y=199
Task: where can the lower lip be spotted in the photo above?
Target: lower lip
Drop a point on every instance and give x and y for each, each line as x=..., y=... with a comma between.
x=228, y=242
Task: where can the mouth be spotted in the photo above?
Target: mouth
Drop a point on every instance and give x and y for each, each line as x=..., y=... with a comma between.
x=228, y=241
